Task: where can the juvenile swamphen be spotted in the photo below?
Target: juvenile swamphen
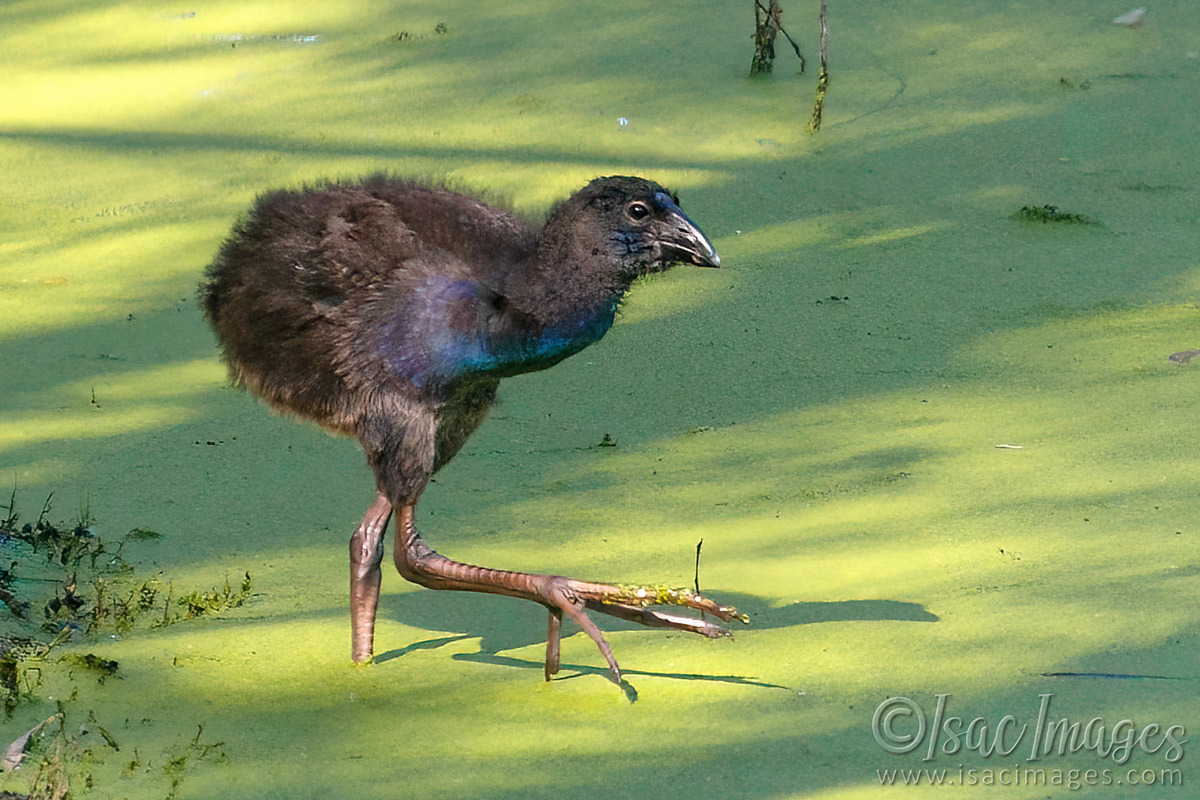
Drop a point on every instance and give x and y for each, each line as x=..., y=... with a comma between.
x=389, y=311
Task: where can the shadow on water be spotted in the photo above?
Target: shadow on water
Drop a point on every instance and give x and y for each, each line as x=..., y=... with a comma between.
x=504, y=623
x=628, y=688
x=425, y=644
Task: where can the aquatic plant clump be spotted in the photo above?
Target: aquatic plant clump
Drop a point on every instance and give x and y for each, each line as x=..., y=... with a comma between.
x=1047, y=214
x=92, y=588
x=63, y=581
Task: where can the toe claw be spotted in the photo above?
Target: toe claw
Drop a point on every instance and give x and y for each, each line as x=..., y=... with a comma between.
x=614, y=674
x=730, y=614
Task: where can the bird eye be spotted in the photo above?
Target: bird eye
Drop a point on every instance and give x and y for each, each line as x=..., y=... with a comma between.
x=638, y=211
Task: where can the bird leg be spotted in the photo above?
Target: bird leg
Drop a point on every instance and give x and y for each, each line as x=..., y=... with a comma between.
x=419, y=563
x=366, y=554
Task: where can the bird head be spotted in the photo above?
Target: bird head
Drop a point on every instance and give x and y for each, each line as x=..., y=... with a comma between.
x=637, y=227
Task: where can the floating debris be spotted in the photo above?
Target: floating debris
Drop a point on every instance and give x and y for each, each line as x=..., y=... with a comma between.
x=103, y=667
x=441, y=29
x=14, y=754
x=1131, y=19
x=1082, y=86
x=237, y=38
x=1184, y=356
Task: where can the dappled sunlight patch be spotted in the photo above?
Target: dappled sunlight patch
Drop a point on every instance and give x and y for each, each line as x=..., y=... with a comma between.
x=792, y=235
x=956, y=120
x=127, y=402
x=1006, y=193
x=1186, y=282
x=66, y=285
x=22, y=429
x=676, y=293
x=72, y=97
x=1002, y=41
x=154, y=383
x=131, y=30
x=896, y=234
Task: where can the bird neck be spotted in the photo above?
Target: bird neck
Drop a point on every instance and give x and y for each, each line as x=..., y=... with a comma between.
x=564, y=299
x=566, y=334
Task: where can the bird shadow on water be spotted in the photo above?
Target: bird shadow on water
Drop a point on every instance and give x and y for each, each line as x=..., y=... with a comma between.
x=504, y=623
x=427, y=644
x=630, y=691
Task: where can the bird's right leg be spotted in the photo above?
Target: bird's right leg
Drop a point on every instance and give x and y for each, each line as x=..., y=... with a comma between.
x=421, y=564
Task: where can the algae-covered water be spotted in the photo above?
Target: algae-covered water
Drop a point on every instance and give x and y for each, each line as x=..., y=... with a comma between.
x=931, y=449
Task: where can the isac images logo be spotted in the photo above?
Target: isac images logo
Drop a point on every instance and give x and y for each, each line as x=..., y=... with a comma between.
x=901, y=726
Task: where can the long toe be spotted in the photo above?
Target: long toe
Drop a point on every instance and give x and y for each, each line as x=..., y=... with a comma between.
x=653, y=618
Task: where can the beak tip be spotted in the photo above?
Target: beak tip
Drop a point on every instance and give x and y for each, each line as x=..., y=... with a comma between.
x=687, y=238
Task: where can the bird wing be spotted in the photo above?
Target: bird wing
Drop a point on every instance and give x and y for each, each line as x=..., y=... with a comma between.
x=362, y=246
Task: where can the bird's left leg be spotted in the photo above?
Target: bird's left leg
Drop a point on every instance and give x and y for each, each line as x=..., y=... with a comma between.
x=366, y=554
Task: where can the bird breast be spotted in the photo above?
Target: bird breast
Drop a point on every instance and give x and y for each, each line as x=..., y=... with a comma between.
x=446, y=328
